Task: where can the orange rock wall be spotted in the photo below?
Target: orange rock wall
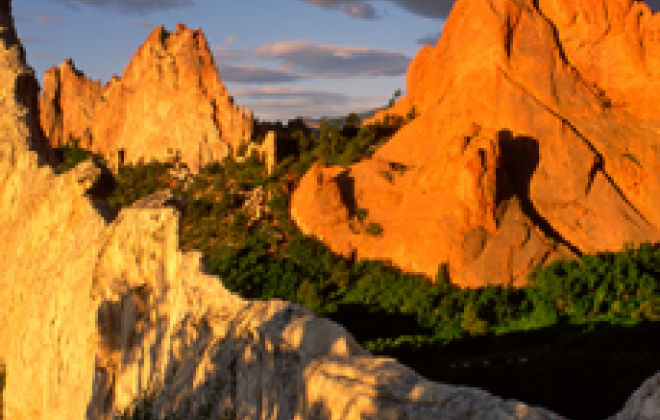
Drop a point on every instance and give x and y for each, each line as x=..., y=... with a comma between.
x=170, y=99
x=525, y=137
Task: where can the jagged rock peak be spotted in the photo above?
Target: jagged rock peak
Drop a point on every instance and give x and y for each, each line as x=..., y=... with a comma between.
x=171, y=80
x=535, y=141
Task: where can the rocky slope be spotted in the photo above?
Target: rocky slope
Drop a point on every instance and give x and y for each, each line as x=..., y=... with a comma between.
x=537, y=140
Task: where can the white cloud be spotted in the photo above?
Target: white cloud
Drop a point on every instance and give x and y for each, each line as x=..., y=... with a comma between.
x=280, y=103
x=331, y=61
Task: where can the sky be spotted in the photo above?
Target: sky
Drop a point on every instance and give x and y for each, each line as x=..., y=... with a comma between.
x=281, y=58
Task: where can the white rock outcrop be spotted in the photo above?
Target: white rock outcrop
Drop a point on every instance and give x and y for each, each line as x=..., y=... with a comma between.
x=96, y=310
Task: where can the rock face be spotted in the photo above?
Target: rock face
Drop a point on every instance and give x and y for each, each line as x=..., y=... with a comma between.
x=146, y=114
x=67, y=104
x=542, y=128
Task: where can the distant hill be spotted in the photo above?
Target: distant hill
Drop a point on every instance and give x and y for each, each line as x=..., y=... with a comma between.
x=315, y=123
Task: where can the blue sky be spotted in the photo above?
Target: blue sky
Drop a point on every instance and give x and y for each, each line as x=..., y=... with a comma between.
x=282, y=58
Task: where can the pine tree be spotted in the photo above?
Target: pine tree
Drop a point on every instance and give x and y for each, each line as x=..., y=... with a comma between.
x=352, y=120
x=351, y=125
x=397, y=94
x=324, y=137
x=335, y=140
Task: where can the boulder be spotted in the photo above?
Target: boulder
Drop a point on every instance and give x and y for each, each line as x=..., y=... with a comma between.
x=535, y=140
x=98, y=309
x=145, y=115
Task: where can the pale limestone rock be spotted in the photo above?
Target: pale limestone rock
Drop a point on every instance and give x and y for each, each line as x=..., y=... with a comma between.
x=97, y=310
x=644, y=404
x=265, y=151
x=270, y=151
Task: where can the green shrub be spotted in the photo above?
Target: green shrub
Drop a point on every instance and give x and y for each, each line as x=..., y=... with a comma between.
x=73, y=155
x=632, y=159
x=471, y=322
x=387, y=175
x=391, y=312
x=412, y=114
x=374, y=229
x=242, y=150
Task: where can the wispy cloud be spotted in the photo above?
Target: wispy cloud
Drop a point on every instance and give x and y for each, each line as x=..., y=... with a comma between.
x=254, y=74
x=284, y=92
x=24, y=14
x=278, y=102
x=302, y=60
x=128, y=7
x=142, y=24
x=331, y=61
x=434, y=9
x=223, y=54
x=42, y=56
x=29, y=39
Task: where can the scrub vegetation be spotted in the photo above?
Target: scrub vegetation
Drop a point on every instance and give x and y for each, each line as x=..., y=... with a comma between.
x=578, y=340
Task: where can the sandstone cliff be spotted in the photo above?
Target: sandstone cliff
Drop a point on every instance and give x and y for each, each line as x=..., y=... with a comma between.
x=536, y=140
x=147, y=114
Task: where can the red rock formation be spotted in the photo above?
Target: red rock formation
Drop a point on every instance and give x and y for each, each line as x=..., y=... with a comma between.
x=67, y=104
x=564, y=146
x=170, y=98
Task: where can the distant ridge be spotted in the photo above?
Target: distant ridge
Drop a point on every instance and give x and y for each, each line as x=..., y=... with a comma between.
x=315, y=123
